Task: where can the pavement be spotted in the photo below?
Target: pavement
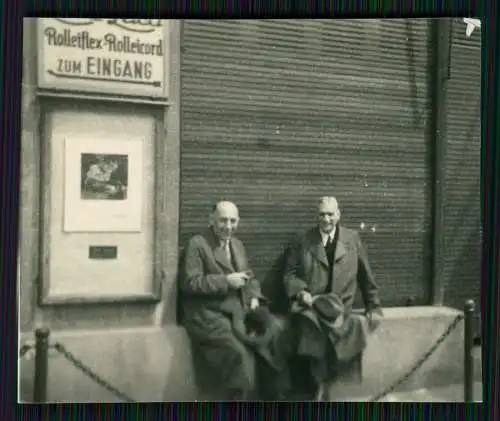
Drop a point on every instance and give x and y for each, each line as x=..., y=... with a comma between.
x=449, y=393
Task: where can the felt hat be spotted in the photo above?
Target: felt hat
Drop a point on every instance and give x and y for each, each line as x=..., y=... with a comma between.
x=257, y=327
x=330, y=309
x=346, y=331
x=260, y=330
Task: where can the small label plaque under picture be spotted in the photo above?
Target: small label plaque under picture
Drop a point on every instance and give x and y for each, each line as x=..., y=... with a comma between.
x=103, y=252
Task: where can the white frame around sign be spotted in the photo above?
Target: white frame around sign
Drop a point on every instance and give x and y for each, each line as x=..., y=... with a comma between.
x=57, y=124
x=120, y=90
x=102, y=215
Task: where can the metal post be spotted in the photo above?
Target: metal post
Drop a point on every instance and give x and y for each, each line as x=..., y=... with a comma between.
x=468, y=345
x=41, y=365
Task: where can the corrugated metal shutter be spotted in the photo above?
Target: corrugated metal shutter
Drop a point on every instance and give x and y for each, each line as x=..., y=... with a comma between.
x=277, y=113
x=463, y=166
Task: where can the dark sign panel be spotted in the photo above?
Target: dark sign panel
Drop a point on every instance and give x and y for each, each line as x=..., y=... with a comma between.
x=103, y=252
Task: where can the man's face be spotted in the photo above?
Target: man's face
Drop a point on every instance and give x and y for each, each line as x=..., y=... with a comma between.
x=225, y=220
x=328, y=216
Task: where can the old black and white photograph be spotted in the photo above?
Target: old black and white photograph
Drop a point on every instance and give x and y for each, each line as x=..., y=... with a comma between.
x=104, y=177
x=250, y=210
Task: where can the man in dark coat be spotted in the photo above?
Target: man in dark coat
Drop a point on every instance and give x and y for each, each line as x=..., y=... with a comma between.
x=325, y=266
x=218, y=292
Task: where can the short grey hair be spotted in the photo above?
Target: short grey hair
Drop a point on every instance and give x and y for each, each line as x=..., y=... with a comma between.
x=221, y=203
x=328, y=200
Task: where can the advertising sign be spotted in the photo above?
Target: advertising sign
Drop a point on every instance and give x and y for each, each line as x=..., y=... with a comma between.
x=110, y=56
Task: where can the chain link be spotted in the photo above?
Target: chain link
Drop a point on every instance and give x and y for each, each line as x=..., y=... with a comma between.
x=420, y=362
x=89, y=373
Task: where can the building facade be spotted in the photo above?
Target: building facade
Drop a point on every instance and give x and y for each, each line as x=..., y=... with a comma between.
x=383, y=114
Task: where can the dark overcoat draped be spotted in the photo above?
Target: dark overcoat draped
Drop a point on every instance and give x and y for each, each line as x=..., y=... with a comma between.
x=205, y=298
x=307, y=269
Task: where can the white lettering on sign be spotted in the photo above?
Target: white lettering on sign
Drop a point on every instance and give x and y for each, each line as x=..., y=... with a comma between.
x=117, y=56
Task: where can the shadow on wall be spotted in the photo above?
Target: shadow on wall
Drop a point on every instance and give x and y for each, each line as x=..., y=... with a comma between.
x=272, y=285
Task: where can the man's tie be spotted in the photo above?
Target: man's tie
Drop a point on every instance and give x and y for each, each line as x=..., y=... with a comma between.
x=329, y=250
x=227, y=250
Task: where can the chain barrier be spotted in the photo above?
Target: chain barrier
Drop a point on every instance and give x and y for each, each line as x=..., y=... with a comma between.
x=420, y=362
x=60, y=348
x=89, y=373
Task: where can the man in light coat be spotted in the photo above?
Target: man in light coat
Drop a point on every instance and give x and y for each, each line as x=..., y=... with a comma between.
x=324, y=268
x=217, y=290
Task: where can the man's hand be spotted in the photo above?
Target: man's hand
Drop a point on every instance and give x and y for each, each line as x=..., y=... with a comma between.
x=254, y=303
x=305, y=298
x=237, y=280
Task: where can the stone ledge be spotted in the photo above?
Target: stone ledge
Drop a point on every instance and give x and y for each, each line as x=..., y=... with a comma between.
x=403, y=337
x=155, y=364
x=147, y=364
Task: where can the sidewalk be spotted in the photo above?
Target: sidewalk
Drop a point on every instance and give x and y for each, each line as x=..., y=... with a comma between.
x=451, y=393
x=448, y=393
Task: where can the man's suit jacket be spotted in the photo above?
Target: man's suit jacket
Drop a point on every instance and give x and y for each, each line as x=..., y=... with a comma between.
x=203, y=281
x=307, y=268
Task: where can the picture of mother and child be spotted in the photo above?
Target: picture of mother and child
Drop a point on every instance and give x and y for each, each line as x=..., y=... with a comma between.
x=104, y=177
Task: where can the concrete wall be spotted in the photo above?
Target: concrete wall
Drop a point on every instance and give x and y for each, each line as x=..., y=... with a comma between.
x=29, y=217
x=156, y=364
x=146, y=364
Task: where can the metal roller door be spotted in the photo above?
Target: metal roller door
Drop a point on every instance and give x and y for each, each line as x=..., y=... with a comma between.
x=463, y=165
x=276, y=113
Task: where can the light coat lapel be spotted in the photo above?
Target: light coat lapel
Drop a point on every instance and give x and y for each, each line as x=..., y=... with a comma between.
x=218, y=251
x=341, y=249
x=221, y=258
x=238, y=256
x=317, y=248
